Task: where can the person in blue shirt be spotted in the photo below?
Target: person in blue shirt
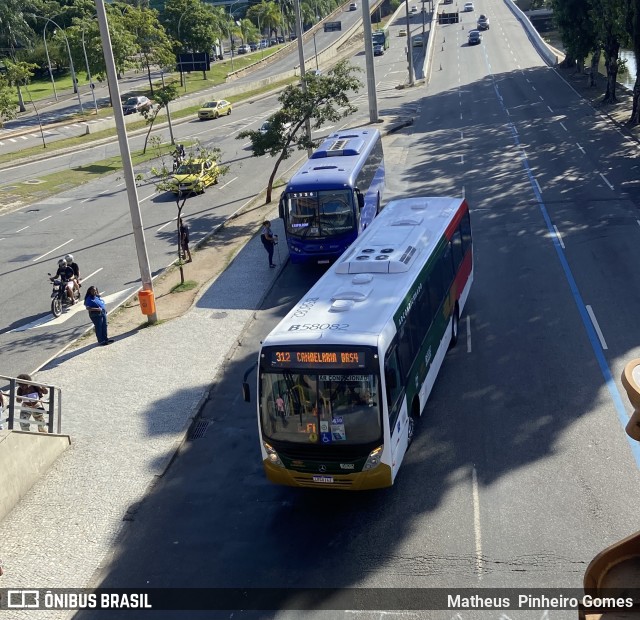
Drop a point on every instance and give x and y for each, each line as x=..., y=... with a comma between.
x=98, y=314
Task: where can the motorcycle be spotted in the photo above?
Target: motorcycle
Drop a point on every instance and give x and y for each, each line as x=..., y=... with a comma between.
x=59, y=298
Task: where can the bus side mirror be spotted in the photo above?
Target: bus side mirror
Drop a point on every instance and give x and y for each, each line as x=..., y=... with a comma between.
x=360, y=201
x=281, y=209
x=390, y=380
x=246, y=392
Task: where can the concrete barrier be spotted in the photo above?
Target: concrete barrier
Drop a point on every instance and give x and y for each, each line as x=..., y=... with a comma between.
x=24, y=458
x=539, y=43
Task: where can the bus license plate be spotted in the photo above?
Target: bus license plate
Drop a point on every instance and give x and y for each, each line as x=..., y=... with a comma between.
x=323, y=262
x=323, y=478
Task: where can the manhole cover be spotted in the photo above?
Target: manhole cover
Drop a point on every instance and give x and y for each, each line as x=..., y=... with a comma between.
x=199, y=429
x=33, y=182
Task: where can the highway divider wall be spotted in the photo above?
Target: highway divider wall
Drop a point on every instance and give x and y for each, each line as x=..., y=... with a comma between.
x=539, y=43
x=24, y=458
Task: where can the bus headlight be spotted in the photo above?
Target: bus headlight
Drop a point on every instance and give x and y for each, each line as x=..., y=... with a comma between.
x=272, y=455
x=374, y=459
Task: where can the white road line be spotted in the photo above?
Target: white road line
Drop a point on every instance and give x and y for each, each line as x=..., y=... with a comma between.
x=533, y=87
x=559, y=236
x=597, y=327
x=550, y=110
x=638, y=222
x=606, y=181
x=66, y=208
x=476, y=521
x=463, y=191
x=87, y=199
x=166, y=224
x=25, y=228
x=538, y=186
x=563, y=127
x=12, y=140
x=45, y=218
x=583, y=151
x=91, y=274
x=52, y=251
x=541, y=98
x=228, y=183
x=468, y=334
x=24, y=137
x=461, y=135
x=462, y=159
x=147, y=197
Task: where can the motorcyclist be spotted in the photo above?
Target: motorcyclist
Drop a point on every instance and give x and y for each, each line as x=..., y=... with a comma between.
x=179, y=155
x=76, y=271
x=65, y=274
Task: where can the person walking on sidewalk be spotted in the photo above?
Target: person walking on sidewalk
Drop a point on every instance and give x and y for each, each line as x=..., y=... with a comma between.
x=98, y=314
x=269, y=240
x=184, y=240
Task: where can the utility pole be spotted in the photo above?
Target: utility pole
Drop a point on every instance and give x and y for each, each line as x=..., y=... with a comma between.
x=368, y=55
x=127, y=167
x=409, y=44
x=302, y=70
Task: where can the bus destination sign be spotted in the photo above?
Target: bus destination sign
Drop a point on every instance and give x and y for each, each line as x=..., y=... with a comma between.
x=317, y=359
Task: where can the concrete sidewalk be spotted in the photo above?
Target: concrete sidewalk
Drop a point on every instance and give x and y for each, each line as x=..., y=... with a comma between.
x=127, y=408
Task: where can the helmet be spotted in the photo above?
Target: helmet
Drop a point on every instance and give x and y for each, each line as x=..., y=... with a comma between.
x=69, y=258
x=62, y=263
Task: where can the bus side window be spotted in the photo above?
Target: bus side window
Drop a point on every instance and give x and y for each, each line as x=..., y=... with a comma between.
x=465, y=231
x=456, y=245
x=393, y=385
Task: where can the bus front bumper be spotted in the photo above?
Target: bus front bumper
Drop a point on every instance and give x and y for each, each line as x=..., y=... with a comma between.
x=377, y=478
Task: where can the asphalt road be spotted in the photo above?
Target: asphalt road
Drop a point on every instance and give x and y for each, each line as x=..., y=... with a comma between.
x=521, y=471
x=92, y=221
x=67, y=107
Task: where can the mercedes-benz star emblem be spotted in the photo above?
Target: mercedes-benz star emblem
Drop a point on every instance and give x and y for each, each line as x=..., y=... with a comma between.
x=322, y=469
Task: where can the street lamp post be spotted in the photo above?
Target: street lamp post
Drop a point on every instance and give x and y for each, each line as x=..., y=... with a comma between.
x=91, y=84
x=46, y=51
x=182, y=79
x=73, y=72
x=315, y=50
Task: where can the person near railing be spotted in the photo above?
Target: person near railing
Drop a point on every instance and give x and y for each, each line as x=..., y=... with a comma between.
x=30, y=398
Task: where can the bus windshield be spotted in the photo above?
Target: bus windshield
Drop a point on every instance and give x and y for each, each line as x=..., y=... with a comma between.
x=320, y=409
x=320, y=214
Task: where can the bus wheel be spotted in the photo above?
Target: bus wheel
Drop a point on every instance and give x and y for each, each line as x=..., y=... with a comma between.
x=413, y=420
x=455, y=325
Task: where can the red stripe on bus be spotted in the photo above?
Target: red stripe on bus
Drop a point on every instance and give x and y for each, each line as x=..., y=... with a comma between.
x=455, y=222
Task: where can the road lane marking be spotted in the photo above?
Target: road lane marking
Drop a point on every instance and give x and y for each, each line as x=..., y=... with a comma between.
x=606, y=181
x=476, y=521
x=25, y=228
x=228, y=183
x=537, y=186
x=66, y=208
x=592, y=316
x=583, y=151
x=468, y=334
x=147, y=197
x=563, y=127
x=52, y=251
x=550, y=110
x=559, y=236
x=166, y=224
x=45, y=218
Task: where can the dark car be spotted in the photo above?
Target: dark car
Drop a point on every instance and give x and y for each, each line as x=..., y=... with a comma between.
x=280, y=39
x=475, y=37
x=378, y=50
x=483, y=22
x=136, y=104
x=253, y=46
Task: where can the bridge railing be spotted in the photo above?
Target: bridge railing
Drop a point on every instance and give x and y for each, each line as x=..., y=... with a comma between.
x=34, y=411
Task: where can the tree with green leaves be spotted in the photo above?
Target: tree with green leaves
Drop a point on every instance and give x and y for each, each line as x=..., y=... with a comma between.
x=609, y=18
x=152, y=42
x=8, y=107
x=573, y=19
x=326, y=101
x=163, y=96
x=18, y=75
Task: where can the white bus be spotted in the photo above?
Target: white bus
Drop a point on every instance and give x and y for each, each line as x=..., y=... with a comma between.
x=343, y=377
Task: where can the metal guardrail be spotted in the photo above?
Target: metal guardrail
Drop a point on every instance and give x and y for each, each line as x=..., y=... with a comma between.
x=38, y=410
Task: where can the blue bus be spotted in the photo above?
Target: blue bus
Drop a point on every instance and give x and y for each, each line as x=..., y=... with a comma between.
x=334, y=196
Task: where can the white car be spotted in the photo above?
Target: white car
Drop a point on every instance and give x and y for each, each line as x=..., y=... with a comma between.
x=265, y=127
x=414, y=9
x=468, y=7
